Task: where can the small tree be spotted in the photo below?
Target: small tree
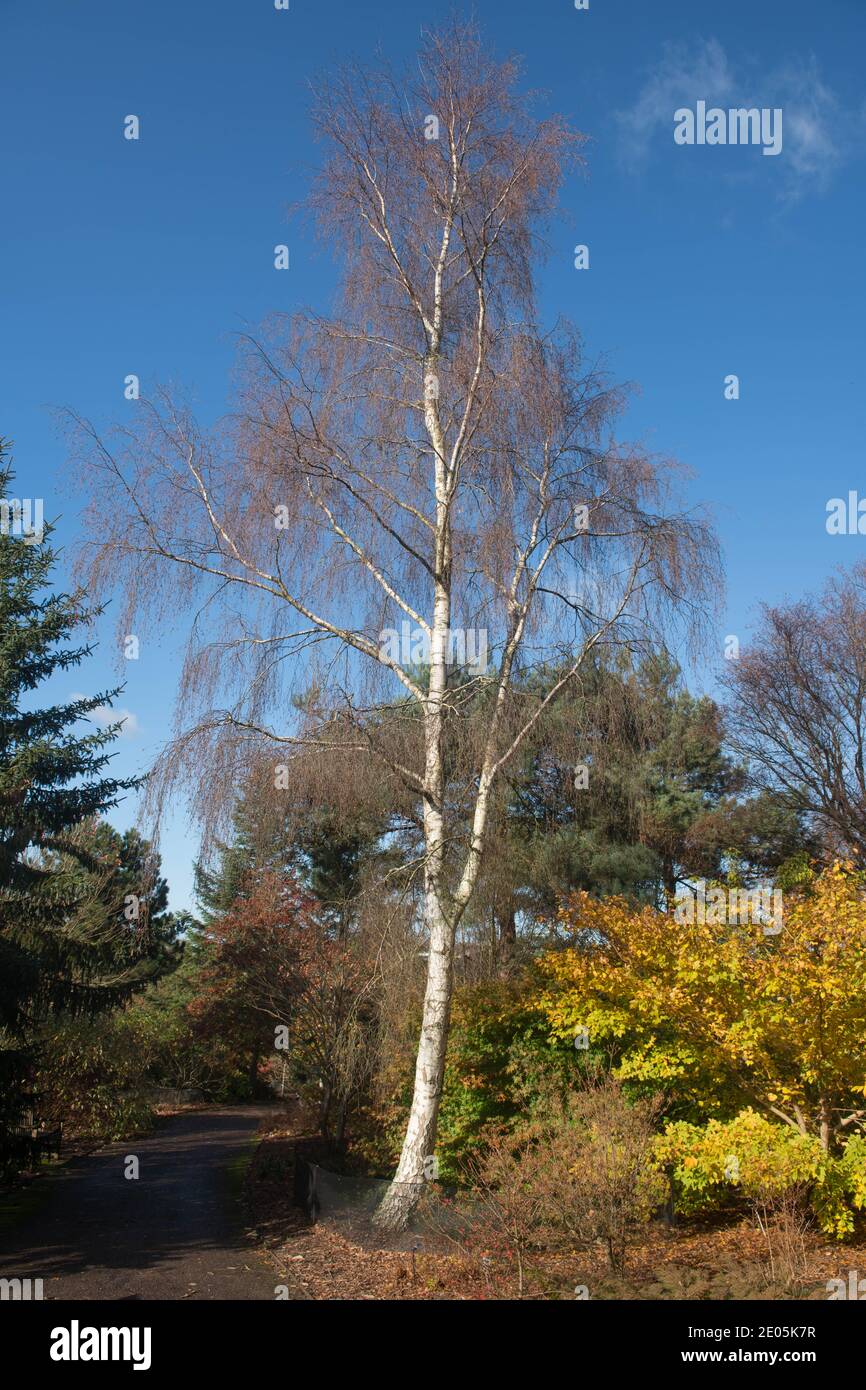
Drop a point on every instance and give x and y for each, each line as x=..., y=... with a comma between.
x=510, y=1197
x=281, y=978
x=584, y=1171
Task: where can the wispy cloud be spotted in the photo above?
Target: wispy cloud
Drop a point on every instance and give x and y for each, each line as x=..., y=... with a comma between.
x=103, y=716
x=682, y=74
x=816, y=128
x=818, y=133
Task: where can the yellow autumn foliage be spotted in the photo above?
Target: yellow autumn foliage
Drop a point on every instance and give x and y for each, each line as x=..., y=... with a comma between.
x=726, y=1013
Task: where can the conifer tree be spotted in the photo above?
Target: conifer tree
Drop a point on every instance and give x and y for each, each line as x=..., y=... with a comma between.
x=61, y=946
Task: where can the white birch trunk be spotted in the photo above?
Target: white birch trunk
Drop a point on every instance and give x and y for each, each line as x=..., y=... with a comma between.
x=439, y=916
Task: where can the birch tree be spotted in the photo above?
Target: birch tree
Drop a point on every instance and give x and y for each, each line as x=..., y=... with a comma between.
x=414, y=499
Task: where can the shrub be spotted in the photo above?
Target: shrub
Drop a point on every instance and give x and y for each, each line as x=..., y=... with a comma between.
x=720, y=1010
x=91, y=1076
x=503, y=1068
x=583, y=1173
x=601, y=1181
x=769, y=1163
x=510, y=1189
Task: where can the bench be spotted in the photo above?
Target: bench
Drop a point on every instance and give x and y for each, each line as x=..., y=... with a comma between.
x=35, y=1137
x=36, y=1142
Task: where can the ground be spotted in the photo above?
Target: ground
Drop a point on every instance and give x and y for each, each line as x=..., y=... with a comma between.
x=211, y=1217
x=719, y=1259
x=175, y=1232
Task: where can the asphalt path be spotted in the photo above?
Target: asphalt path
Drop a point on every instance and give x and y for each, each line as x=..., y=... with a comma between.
x=174, y=1232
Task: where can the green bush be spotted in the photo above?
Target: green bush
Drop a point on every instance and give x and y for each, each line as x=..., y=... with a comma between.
x=501, y=1066
x=92, y=1076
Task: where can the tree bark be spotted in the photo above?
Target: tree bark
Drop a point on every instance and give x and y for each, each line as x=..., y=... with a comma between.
x=439, y=915
x=418, y=1146
x=825, y=1124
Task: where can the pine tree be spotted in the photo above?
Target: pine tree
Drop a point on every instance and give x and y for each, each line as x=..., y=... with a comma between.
x=61, y=947
x=297, y=837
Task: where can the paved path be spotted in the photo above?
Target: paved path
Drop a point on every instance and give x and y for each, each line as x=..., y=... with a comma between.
x=174, y=1233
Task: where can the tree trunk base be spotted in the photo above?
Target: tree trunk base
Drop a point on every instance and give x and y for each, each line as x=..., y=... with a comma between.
x=394, y=1212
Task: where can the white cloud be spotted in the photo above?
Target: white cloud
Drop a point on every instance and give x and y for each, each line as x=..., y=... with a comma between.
x=815, y=128
x=105, y=715
x=680, y=76
x=818, y=134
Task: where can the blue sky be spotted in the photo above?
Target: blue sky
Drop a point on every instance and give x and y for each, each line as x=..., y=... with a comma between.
x=148, y=256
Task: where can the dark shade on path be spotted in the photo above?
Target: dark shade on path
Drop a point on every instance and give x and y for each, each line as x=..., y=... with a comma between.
x=175, y=1232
